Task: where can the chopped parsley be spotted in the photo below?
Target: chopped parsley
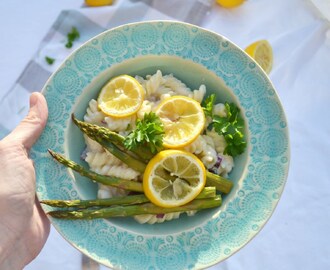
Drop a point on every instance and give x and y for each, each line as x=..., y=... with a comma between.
x=49, y=60
x=72, y=36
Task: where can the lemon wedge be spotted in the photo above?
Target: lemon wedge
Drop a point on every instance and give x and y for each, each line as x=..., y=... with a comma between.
x=183, y=119
x=262, y=52
x=121, y=97
x=97, y=3
x=230, y=3
x=173, y=178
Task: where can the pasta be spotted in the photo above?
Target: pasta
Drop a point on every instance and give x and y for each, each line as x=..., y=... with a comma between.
x=175, y=85
x=145, y=108
x=219, y=109
x=218, y=140
x=97, y=160
x=199, y=94
x=202, y=147
x=120, y=171
x=120, y=124
x=208, y=147
x=93, y=114
x=105, y=192
x=152, y=219
x=224, y=166
x=153, y=84
x=92, y=146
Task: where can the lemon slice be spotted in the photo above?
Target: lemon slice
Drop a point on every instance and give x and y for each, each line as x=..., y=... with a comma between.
x=121, y=97
x=230, y=3
x=262, y=52
x=173, y=178
x=96, y=3
x=183, y=119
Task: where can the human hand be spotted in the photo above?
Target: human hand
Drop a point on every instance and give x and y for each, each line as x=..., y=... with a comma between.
x=24, y=228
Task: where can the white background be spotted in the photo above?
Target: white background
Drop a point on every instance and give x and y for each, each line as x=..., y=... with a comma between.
x=298, y=234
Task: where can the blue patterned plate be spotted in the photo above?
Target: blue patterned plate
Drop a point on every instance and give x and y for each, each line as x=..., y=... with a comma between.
x=195, y=56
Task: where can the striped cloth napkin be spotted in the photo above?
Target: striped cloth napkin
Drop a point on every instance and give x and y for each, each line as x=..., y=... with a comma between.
x=89, y=22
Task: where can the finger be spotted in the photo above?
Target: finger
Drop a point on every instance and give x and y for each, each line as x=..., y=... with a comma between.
x=31, y=127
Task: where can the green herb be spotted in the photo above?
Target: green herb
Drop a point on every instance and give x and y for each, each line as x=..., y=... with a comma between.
x=231, y=127
x=72, y=36
x=149, y=132
x=208, y=105
x=49, y=60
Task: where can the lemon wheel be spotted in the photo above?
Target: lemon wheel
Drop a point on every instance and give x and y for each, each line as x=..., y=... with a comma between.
x=183, y=119
x=173, y=178
x=120, y=97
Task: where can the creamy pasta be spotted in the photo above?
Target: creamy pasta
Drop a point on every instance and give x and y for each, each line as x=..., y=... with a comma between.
x=209, y=146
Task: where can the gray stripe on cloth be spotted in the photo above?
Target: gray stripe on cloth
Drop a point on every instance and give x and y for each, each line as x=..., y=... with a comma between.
x=136, y=10
x=198, y=12
x=190, y=11
x=33, y=77
x=53, y=29
x=147, y=2
x=48, y=37
x=73, y=18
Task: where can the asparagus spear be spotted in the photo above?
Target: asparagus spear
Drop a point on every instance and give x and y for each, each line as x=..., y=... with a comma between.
x=127, y=200
x=106, y=180
x=132, y=210
x=123, y=156
x=222, y=184
x=208, y=192
x=111, y=136
x=101, y=131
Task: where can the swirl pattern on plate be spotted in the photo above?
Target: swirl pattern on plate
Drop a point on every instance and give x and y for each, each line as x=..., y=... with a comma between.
x=145, y=36
x=176, y=36
x=232, y=61
x=87, y=59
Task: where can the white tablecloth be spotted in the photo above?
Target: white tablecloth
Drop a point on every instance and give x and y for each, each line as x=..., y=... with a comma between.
x=297, y=236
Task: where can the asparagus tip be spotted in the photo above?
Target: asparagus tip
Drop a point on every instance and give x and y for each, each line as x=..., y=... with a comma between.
x=51, y=152
x=73, y=117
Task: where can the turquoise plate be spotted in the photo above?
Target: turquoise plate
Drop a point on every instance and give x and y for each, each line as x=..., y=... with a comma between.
x=195, y=56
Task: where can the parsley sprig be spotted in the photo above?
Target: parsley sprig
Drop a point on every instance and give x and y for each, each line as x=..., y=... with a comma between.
x=231, y=126
x=149, y=132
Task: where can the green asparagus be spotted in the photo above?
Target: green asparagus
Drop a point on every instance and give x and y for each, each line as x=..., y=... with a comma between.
x=132, y=210
x=106, y=180
x=113, y=149
x=126, y=200
x=208, y=192
x=123, y=156
x=110, y=136
x=220, y=183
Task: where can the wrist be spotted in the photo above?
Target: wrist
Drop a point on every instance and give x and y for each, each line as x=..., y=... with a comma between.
x=11, y=264
x=12, y=254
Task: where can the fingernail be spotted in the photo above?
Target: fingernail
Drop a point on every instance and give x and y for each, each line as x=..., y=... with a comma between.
x=33, y=99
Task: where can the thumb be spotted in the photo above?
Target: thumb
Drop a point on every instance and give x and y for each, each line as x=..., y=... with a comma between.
x=31, y=127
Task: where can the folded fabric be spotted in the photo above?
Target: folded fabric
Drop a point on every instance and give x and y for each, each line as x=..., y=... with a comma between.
x=89, y=22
